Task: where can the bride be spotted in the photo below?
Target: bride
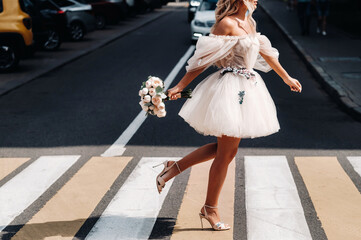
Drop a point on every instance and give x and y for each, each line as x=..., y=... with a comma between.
x=233, y=102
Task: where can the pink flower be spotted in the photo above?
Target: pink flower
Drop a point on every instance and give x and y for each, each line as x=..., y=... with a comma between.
x=156, y=100
x=156, y=82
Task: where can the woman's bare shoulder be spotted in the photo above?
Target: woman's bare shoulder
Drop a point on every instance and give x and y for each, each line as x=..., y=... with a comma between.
x=224, y=27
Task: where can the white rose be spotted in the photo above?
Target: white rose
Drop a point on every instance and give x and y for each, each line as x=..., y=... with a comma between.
x=140, y=93
x=145, y=108
x=141, y=103
x=156, y=100
x=161, y=106
x=155, y=110
x=148, y=83
x=152, y=92
x=161, y=113
x=156, y=82
x=151, y=107
x=145, y=91
x=147, y=98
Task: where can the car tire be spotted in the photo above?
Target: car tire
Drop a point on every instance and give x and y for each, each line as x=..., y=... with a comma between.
x=77, y=31
x=100, y=22
x=9, y=57
x=53, y=41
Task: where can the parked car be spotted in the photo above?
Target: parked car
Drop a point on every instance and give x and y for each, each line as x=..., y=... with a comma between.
x=204, y=19
x=192, y=8
x=79, y=18
x=49, y=23
x=127, y=7
x=139, y=6
x=105, y=12
x=16, y=36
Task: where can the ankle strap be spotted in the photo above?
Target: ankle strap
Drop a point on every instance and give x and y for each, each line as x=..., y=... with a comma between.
x=210, y=206
x=178, y=167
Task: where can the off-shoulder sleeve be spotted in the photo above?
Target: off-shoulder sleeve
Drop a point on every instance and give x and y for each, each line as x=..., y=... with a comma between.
x=266, y=49
x=210, y=49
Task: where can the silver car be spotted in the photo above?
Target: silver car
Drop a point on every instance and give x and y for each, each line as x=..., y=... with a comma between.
x=204, y=19
x=79, y=18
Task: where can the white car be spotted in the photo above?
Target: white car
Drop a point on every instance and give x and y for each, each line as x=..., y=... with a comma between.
x=204, y=19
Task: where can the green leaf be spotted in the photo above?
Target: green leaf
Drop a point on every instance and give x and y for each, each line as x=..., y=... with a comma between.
x=148, y=104
x=159, y=89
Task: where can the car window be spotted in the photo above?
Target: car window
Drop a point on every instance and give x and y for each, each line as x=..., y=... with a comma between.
x=208, y=5
x=63, y=3
x=27, y=6
x=1, y=6
x=47, y=5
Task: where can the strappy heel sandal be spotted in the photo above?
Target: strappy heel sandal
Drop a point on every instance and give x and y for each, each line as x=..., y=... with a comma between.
x=159, y=180
x=219, y=226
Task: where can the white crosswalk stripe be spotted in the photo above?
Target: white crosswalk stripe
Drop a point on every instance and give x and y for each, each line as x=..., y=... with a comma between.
x=273, y=206
x=356, y=163
x=133, y=211
x=274, y=210
x=17, y=194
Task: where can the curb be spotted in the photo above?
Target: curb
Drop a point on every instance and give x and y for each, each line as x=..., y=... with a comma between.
x=336, y=91
x=20, y=82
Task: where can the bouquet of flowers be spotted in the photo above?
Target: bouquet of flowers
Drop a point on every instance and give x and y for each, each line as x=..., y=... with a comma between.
x=152, y=96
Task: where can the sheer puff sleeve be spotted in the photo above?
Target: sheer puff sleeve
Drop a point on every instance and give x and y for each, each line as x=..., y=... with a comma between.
x=266, y=49
x=210, y=49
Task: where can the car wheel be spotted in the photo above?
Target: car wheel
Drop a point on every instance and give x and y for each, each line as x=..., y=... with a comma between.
x=100, y=21
x=53, y=41
x=9, y=58
x=76, y=31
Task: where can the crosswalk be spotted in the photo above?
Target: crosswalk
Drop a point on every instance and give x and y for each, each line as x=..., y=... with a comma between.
x=272, y=198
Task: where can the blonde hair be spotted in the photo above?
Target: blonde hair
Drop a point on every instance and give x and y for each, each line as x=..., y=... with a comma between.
x=230, y=7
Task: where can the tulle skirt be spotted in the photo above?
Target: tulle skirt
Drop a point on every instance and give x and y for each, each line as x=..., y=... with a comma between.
x=231, y=105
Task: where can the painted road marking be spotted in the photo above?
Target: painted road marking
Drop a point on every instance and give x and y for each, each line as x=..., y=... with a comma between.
x=274, y=210
x=118, y=147
x=64, y=214
x=134, y=209
x=188, y=225
x=356, y=163
x=336, y=199
x=18, y=193
x=7, y=165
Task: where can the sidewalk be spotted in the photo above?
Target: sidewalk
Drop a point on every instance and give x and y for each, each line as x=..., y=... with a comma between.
x=335, y=59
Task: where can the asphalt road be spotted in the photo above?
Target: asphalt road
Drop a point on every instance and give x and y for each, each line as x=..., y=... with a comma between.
x=84, y=106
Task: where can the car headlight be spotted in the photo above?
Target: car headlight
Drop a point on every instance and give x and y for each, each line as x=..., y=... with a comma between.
x=194, y=3
x=199, y=23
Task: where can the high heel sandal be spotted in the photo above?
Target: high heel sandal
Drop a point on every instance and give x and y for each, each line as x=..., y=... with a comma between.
x=219, y=226
x=159, y=180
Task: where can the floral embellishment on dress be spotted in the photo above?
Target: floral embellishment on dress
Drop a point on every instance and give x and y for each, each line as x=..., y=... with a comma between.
x=248, y=74
x=241, y=95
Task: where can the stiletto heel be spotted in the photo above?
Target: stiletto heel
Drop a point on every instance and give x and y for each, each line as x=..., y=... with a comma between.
x=219, y=226
x=159, y=181
x=200, y=218
x=164, y=163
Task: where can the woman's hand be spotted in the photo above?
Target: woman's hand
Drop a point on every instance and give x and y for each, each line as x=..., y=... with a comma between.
x=174, y=93
x=294, y=84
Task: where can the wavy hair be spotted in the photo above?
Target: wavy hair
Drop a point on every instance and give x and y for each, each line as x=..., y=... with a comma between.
x=229, y=7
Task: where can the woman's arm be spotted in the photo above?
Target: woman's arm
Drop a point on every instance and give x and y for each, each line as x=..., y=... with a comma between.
x=187, y=79
x=294, y=84
x=224, y=27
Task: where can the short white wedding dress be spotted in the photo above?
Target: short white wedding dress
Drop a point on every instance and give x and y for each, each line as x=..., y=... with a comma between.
x=233, y=101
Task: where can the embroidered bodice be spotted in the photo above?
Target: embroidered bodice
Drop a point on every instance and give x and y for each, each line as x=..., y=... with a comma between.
x=232, y=51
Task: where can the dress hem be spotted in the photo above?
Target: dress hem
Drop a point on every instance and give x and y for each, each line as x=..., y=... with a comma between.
x=245, y=136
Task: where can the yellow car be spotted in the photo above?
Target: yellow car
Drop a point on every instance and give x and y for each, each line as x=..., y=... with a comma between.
x=15, y=33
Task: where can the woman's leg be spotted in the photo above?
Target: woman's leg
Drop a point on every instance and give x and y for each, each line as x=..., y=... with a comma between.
x=226, y=150
x=202, y=154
